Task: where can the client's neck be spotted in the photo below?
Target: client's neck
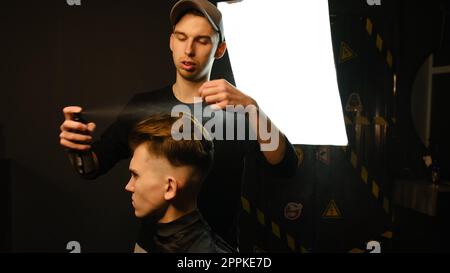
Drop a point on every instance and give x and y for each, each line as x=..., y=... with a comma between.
x=175, y=212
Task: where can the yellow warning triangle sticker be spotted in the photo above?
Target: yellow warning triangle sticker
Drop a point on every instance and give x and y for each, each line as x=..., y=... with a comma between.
x=332, y=211
x=346, y=53
x=323, y=155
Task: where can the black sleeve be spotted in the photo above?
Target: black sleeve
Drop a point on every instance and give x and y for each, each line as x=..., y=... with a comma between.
x=113, y=144
x=287, y=167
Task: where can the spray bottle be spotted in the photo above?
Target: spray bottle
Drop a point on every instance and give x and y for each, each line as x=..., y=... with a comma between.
x=83, y=161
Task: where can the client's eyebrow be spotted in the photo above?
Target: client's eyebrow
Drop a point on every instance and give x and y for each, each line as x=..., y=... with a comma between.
x=134, y=173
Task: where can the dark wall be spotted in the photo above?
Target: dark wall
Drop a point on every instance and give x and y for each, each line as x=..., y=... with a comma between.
x=96, y=55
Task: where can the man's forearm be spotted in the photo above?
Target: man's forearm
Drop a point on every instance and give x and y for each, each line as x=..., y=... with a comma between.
x=271, y=140
x=276, y=156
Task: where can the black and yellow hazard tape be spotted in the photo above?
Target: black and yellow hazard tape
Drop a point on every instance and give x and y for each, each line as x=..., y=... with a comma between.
x=291, y=242
x=288, y=239
x=360, y=167
x=276, y=230
x=366, y=177
x=379, y=43
x=369, y=180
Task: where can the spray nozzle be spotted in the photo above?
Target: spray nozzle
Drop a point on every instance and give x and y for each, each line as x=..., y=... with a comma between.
x=79, y=117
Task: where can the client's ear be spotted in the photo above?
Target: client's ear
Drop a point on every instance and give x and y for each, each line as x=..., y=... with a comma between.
x=171, y=188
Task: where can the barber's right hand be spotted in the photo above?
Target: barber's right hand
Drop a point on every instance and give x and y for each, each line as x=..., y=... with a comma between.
x=75, y=135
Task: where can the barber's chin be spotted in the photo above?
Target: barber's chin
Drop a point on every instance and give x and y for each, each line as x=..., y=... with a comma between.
x=187, y=74
x=192, y=77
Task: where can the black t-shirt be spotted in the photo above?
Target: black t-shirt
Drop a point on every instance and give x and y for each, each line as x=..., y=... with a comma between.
x=219, y=199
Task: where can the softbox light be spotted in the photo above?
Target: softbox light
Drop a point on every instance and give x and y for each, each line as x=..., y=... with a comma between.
x=281, y=55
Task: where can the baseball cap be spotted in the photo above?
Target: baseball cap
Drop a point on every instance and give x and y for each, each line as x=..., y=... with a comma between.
x=209, y=10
